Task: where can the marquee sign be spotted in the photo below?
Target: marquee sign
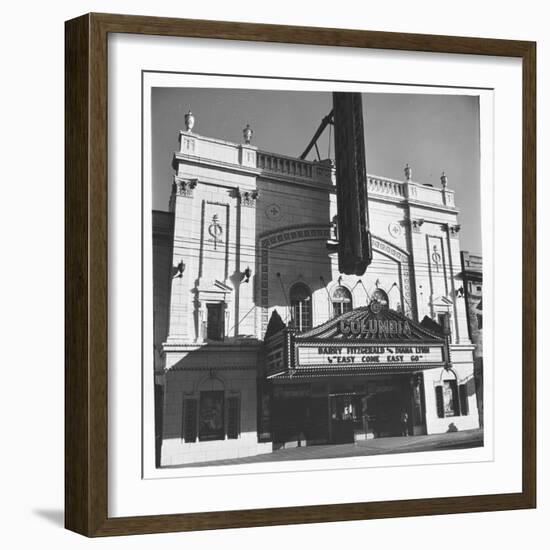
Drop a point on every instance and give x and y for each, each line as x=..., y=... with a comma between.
x=370, y=339
x=375, y=328
x=361, y=355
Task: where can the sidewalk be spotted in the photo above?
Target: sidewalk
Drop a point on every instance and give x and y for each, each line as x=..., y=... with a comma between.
x=383, y=445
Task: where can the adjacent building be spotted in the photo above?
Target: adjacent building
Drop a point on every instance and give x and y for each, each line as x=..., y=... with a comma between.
x=260, y=341
x=472, y=276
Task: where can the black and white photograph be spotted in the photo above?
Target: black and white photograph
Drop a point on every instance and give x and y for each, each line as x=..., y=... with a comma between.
x=274, y=274
x=317, y=274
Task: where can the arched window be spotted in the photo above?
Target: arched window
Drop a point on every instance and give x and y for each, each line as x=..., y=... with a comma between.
x=300, y=302
x=341, y=301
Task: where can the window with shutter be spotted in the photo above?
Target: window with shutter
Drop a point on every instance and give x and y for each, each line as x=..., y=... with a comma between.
x=439, y=401
x=463, y=394
x=233, y=417
x=190, y=420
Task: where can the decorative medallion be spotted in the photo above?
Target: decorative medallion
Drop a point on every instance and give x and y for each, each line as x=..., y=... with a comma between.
x=395, y=229
x=379, y=300
x=376, y=307
x=215, y=230
x=436, y=258
x=274, y=212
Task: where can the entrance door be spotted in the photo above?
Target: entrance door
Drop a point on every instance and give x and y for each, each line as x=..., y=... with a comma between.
x=290, y=419
x=345, y=417
x=384, y=410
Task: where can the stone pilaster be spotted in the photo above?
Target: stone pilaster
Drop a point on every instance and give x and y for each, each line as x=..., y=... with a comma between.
x=180, y=204
x=246, y=261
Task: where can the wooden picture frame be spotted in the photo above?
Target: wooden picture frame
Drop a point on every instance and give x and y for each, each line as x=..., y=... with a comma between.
x=86, y=294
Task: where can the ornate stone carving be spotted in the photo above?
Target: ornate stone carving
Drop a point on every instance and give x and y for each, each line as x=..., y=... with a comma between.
x=395, y=230
x=436, y=258
x=248, y=198
x=215, y=230
x=453, y=229
x=189, y=121
x=408, y=173
x=247, y=134
x=274, y=212
x=184, y=187
x=416, y=224
x=444, y=180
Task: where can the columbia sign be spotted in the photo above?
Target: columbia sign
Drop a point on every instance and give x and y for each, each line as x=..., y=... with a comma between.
x=375, y=328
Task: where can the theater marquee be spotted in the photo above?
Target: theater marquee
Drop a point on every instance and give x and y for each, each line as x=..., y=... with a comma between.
x=367, y=340
x=311, y=355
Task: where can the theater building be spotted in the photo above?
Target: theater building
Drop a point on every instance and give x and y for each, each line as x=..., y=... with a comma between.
x=261, y=342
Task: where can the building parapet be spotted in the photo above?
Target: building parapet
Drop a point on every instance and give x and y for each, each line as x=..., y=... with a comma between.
x=321, y=172
x=245, y=157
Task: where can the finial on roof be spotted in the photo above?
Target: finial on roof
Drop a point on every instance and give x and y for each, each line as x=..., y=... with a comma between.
x=408, y=172
x=444, y=180
x=189, y=121
x=247, y=134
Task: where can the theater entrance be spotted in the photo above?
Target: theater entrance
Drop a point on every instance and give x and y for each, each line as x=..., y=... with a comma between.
x=346, y=417
x=384, y=411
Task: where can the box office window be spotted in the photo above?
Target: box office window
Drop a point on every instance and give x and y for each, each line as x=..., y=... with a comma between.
x=211, y=421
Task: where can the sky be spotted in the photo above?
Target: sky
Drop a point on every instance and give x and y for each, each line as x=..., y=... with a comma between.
x=431, y=133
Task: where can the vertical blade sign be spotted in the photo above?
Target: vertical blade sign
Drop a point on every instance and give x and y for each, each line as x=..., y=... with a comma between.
x=354, y=250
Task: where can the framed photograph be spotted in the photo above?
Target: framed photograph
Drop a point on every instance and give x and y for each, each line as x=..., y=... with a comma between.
x=300, y=280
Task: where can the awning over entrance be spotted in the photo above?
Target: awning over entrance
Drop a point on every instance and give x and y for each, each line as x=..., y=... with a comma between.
x=368, y=340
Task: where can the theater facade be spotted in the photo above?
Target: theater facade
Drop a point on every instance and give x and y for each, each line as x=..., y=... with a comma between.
x=262, y=343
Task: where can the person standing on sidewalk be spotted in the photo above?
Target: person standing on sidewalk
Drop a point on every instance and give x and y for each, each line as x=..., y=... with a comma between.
x=404, y=423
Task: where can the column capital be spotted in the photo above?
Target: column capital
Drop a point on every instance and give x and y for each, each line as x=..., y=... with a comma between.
x=183, y=187
x=247, y=198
